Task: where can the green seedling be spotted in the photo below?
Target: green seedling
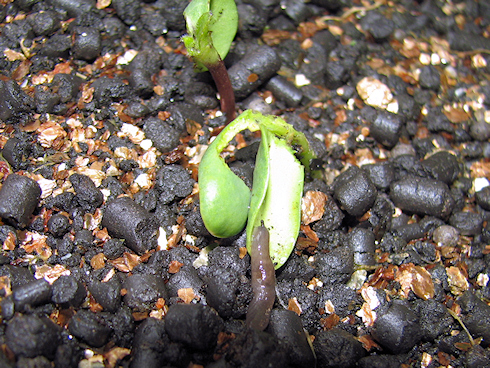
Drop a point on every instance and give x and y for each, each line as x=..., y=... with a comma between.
x=211, y=28
x=227, y=204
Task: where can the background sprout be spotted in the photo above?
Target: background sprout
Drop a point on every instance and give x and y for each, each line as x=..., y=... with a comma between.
x=211, y=27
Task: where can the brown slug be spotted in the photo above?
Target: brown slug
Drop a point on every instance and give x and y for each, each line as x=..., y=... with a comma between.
x=263, y=281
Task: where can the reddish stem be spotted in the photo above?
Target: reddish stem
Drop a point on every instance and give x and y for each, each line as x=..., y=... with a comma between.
x=227, y=96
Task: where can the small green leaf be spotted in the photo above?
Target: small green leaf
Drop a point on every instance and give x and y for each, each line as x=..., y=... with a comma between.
x=193, y=12
x=223, y=25
x=224, y=197
x=211, y=27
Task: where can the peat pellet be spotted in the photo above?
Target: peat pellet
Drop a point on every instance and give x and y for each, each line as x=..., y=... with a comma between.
x=88, y=196
x=287, y=327
x=15, y=152
x=173, y=182
x=7, y=307
x=15, y=104
x=227, y=293
x=336, y=266
x=89, y=328
x=114, y=248
x=58, y=225
x=147, y=344
x=84, y=238
x=19, y=197
x=483, y=198
x=354, y=191
x=381, y=361
x=442, y=166
x=332, y=217
x=253, y=70
x=75, y=8
x=256, y=349
x=340, y=296
x=125, y=219
x=337, y=348
x=86, y=43
x=476, y=316
x=164, y=136
x=378, y=25
x=298, y=11
x=480, y=130
x=284, y=91
x=386, y=128
x=477, y=357
x=195, y=325
x=37, y=362
x=30, y=336
x=142, y=291
x=409, y=232
x=186, y=278
x=422, y=196
x=468, y=223
x=381, y=174
x=140, y=80
x=398, y=329
x=17, y=275
x=430, y=78
x=107, y=294
x=44, y=23
x=361, y=241
x=435, y=320
x=68, y=292
x=35, y=293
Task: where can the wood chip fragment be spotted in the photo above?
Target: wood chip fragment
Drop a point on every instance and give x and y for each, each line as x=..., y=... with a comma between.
x=5, y=285
x=367, y=315
x=35, y=242
x=329, y=307
x=242, y=252
x=51, y=135
x=293, y=305
x=330, y=322
x=417, y=279
x=126, y=263
x=98, y=261
x=374, y=93
x=114, y=355
x=174, y=266
x=187, y=295
x=51, y=274
x=313, y=206
x=9, y=242
x=456, y=280
x=368, y=342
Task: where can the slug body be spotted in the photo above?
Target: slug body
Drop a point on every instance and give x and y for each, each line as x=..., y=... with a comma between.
x=263, y=281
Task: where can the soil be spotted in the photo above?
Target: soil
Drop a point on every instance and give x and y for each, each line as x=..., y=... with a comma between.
x=105, y=260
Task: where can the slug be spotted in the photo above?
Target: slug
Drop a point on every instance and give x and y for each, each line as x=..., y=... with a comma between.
x=263, y=281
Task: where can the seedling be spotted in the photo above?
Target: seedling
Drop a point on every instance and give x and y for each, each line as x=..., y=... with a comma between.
x=211, y=27
x=227, y=204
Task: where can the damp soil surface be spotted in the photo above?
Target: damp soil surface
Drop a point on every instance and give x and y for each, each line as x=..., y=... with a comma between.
x=105, y=261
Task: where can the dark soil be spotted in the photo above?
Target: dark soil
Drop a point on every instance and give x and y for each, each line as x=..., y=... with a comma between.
x=104, y=121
